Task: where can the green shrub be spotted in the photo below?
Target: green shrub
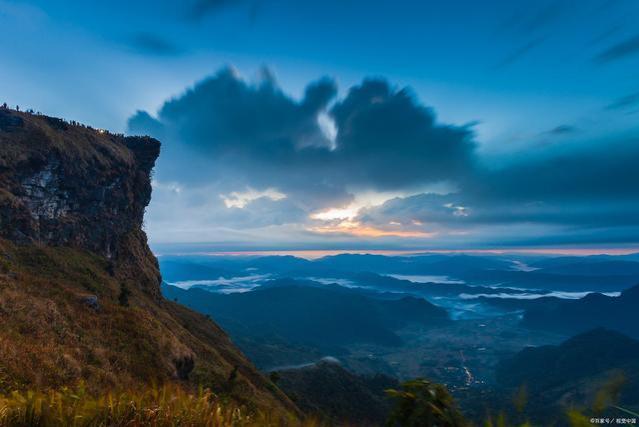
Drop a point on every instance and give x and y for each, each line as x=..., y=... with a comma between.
x=421, y=403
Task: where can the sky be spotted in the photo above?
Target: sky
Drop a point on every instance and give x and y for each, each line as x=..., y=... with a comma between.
x=354, y=125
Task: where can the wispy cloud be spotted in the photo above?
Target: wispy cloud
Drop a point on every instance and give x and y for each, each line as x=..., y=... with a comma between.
x=530, y=18
x=152, y=44
x=544, y=16
x=562, y=130
x=202, y=8
x=520, y=52
x=624, y=102
x=619, y=51
x=605, y=35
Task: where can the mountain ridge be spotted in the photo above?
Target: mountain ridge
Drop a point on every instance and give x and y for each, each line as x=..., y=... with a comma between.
x=80, y=297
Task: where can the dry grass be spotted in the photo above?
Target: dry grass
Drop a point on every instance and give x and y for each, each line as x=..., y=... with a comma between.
x=50, y=338
x=155, y=406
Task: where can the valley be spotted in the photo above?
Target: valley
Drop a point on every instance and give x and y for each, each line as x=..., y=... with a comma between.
x=453, y=319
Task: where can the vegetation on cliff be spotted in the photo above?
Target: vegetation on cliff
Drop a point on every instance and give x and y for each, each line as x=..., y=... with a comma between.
x=156, y=406
x=79, y=287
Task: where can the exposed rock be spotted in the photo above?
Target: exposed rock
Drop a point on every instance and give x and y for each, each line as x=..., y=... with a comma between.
x=69, y=185
x=79, y=187
x=91, y=301
x=72, y=201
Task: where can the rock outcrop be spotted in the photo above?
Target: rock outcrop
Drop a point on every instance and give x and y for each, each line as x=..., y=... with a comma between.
x=71, y=185
x=79, y=287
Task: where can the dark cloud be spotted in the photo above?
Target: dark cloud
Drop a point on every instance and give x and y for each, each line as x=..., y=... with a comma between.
x=619, y=51
x=152, y=44
x=581, y=190
x=464, y=210
x=223, y=114
x=225, y=129
x=228, y=139
x=237, y=134
x=624, y=102
x=579, y=172
x=386, y=138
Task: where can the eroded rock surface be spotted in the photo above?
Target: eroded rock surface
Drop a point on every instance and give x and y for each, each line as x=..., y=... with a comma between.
x=80, y=187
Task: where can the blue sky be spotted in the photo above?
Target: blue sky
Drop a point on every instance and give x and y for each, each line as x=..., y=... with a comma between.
x=534, y=84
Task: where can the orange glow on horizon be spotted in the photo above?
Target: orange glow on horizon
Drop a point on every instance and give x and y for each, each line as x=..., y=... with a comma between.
x=354, y=228
x=319, y=253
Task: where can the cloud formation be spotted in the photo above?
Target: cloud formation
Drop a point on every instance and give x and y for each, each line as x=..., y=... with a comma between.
x=385, y=138
x=579, y=193
x=234, y=133
x=373, y=164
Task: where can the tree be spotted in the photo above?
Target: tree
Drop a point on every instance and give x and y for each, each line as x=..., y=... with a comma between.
x=421, y=403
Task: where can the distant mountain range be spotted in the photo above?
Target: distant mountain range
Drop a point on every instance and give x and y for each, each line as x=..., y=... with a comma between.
x=599, y=274
x=173, y=271
x=598, y=268
x=593, y=311
x=286, y=313
x=548, y=262
x=312, y=314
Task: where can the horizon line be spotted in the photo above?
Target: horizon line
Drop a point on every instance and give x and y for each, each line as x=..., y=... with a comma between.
x=319, y=253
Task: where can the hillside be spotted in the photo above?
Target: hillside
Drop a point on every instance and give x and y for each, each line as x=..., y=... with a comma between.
x=575, y=373
x=592, y=311
x=334, y=394
x=596, y=268
x=584, y=355
x=303, y=312
x=79, y=288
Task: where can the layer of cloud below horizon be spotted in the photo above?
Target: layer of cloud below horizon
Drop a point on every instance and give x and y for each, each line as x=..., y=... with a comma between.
x=246, y=165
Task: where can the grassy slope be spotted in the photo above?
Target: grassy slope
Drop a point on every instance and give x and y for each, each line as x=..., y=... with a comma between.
x=51, y=338
x=154, y=406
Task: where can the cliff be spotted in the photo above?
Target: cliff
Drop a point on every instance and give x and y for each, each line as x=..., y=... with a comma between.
x=70, y=185
x=79, y=288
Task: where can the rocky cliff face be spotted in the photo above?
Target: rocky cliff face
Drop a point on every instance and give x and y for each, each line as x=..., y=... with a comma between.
x=79, y=288
x=70, y=185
